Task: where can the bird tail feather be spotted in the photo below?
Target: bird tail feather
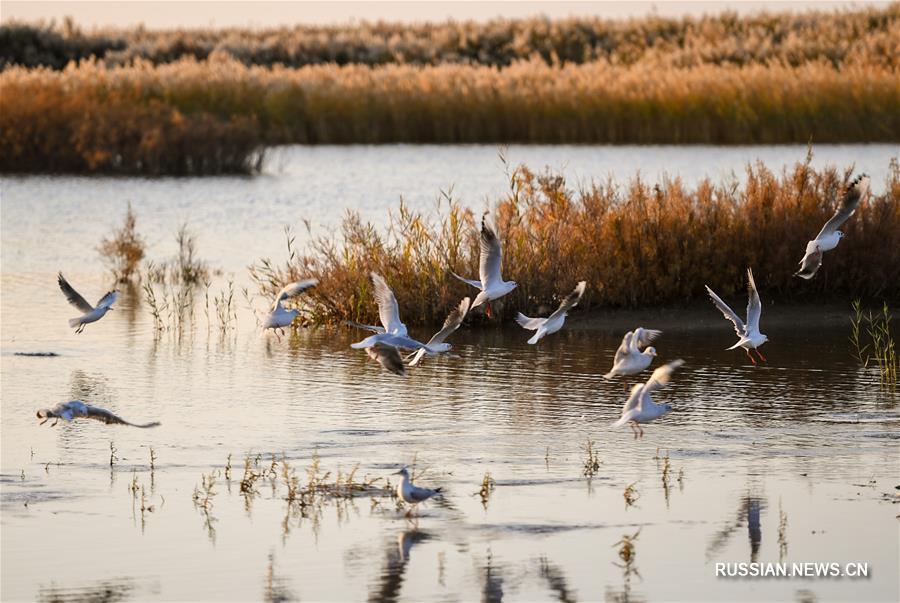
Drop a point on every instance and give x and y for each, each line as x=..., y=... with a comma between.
x=74, y=322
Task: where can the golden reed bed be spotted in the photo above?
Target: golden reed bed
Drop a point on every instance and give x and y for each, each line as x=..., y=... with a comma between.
x=636, y=245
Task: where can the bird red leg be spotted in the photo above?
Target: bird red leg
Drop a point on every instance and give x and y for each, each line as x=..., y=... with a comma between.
x=487, y=310
x=750, y=356
x=763, y=358
x=641, y=430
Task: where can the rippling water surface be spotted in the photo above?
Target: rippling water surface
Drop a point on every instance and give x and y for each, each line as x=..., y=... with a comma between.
x=796, y=460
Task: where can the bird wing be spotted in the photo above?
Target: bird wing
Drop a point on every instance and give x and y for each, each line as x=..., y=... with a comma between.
x=727, y=312
x=373, y=328
x=491, y=256
x=72, y=295
x=660, y=377
x=105, y=416
x=643, y=337
x=754, y=305
x=570, y=301
x=294, y=289
x=108, y=300
x=387, y=356
x=398, y=341
x=856, y=190
x=476, y=284
x=419, y=494
x=529, y=323
x=810, y=264
x=388, y=310
x=452, y=322
x=624, y=348
x=634, y=398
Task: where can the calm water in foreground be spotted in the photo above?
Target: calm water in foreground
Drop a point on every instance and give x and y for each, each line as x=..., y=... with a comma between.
x=797, y=460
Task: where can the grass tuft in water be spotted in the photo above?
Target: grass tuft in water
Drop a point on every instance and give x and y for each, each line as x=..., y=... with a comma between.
x=630, y=494
x=487, y=488
x=881, y=342
x=124, y=249
x=591, y=461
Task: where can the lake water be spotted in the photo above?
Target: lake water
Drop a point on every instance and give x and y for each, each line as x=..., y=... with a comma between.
x=794, y=461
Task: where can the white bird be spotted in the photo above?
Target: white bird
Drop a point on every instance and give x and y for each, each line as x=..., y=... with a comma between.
x=554, y=322
x=388, y=310
x=829, y=237
x=451, y=323
x=410, y=493
x=91, y=313
x=77, y=409
x=397, y=341
x=491, y=285
x=640, y=407
x=388, y=357
x=279, y=317
x=629, y=360
x=750, y=337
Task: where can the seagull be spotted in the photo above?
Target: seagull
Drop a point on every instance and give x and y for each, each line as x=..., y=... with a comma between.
x=492, y=285
x=554, y=322
x=410, y=493
x=640, y=407
x=398, y=341
x=278, y=317
x=451, y=323
x=388, y=357
x=388, y=310
x=829, y=237
x=91, y=313
x=750, y=337
x=629, y=360
x=77, y=409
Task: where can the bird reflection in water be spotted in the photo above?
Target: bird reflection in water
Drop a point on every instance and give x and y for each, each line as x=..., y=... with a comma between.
x=397, y=553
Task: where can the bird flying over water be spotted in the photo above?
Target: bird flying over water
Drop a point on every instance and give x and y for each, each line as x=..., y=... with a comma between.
x=278, y=317
x=76, y=409
x=750, y=337
x=90, y=313
x=410, y=493
x=629, y=359
x=451, y=323
x=388, y=309
x=491, y=285
x=554, y=322
x=829, y=237
x=640, y=407
x=388, y=357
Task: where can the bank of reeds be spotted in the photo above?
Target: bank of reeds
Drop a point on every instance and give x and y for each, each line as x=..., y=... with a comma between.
x=867, y=36
x=209, y=117
x=636, y=245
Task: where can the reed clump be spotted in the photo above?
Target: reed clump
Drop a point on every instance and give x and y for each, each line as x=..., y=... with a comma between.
x=881, y=350
x=124, y=249
x=635, y=244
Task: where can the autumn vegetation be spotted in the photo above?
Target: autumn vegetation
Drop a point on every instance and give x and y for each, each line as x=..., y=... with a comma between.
x=211, y=101
x=636, y=244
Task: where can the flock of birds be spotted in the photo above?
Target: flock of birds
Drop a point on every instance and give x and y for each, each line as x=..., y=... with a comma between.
x=634, y=355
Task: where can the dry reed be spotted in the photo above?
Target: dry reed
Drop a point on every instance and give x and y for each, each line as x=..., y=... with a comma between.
x=635, y=244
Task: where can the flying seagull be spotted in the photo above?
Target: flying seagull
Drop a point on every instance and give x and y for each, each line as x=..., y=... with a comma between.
x=491, y=285
x=451, y=323
x=410, y=493
x=554, y=322
x=76, y=409
x=278, y=317
x=629, y=360
x=750, y=337
x=91, y=313
x=388, y=310
x=829, y=237
x=640, y=407
x=388, y=357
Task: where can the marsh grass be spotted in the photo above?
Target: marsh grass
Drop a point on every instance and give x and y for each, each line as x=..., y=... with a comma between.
x=487, y=488
x=591, y=463
x=881, y=342
x=636, y=244
x=630, y=494
x=124, y=249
